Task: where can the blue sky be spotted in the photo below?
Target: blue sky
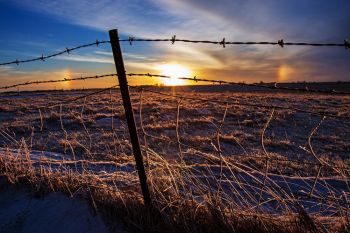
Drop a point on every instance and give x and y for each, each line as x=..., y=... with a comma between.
x=30, y=28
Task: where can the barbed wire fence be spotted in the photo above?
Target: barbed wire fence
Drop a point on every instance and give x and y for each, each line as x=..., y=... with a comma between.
x=253, y=182
x=223, y=43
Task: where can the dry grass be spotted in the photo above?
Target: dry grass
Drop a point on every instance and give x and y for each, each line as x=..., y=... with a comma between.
x=210, y=167
x=118, y=197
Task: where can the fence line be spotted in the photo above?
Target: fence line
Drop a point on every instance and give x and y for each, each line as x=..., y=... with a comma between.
x=274, y=87
x=259, y=183
x=182, y=97
x=194, y=79
x=43, y=58
x=58, y=80
x=199, y=99
x=223, y=43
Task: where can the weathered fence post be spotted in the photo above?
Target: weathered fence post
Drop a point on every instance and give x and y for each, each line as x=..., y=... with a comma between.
x=124, y=89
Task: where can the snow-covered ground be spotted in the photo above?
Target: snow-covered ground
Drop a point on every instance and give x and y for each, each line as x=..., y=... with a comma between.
x=239, y=181
x=21, y=212
x=93, y=131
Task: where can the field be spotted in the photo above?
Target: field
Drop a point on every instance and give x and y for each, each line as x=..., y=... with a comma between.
x=217, y=158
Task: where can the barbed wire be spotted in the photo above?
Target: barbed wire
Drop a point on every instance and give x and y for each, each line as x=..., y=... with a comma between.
x=274, y=87
x=58, y=80
x=234, y=103
x=194, y=79
x=223, y=43
x=191, y=98
x=66, y=51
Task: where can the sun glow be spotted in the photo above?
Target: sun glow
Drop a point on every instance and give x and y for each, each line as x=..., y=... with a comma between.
x=66, y=74
x=174, y=71
x=284, y=73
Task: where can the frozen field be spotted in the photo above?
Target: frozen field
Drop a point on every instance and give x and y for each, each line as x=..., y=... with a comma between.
x=271, y=152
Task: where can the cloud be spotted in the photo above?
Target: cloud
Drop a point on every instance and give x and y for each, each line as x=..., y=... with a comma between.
x=138, y=57
x=105, y=53
x=5, y=69
x=296, y=19
x=128, y=16
x=85, y=58
x=239, y=20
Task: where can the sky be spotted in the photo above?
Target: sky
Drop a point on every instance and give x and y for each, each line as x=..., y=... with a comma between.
x=30, y=28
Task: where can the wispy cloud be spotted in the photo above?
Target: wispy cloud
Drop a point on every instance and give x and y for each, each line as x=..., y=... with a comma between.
x=5, y=69
x=128, y=16
x=105, y=53
x=85, y=58
x=299, y=20
x=138, y=57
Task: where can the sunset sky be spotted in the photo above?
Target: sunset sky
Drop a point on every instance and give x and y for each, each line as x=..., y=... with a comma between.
x=30, y=28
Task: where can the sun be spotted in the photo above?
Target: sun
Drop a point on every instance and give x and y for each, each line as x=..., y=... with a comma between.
x=174, y=71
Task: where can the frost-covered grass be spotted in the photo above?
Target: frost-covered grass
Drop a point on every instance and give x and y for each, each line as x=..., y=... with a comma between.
x=212, y=167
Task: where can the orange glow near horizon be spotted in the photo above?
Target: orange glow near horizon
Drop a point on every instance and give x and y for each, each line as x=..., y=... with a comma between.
x=174, y=71
x=66, y=74
x=284, y=73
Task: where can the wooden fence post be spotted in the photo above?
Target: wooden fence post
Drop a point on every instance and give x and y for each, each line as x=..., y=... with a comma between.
x=124, y=89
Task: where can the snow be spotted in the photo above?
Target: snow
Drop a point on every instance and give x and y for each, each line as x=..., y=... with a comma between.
x=21, y=212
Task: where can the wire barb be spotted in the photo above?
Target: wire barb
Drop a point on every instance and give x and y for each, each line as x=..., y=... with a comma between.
x=223, y=43
x=346, y=44
x=131, y=39
x=173, y=39
x=281, y=43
